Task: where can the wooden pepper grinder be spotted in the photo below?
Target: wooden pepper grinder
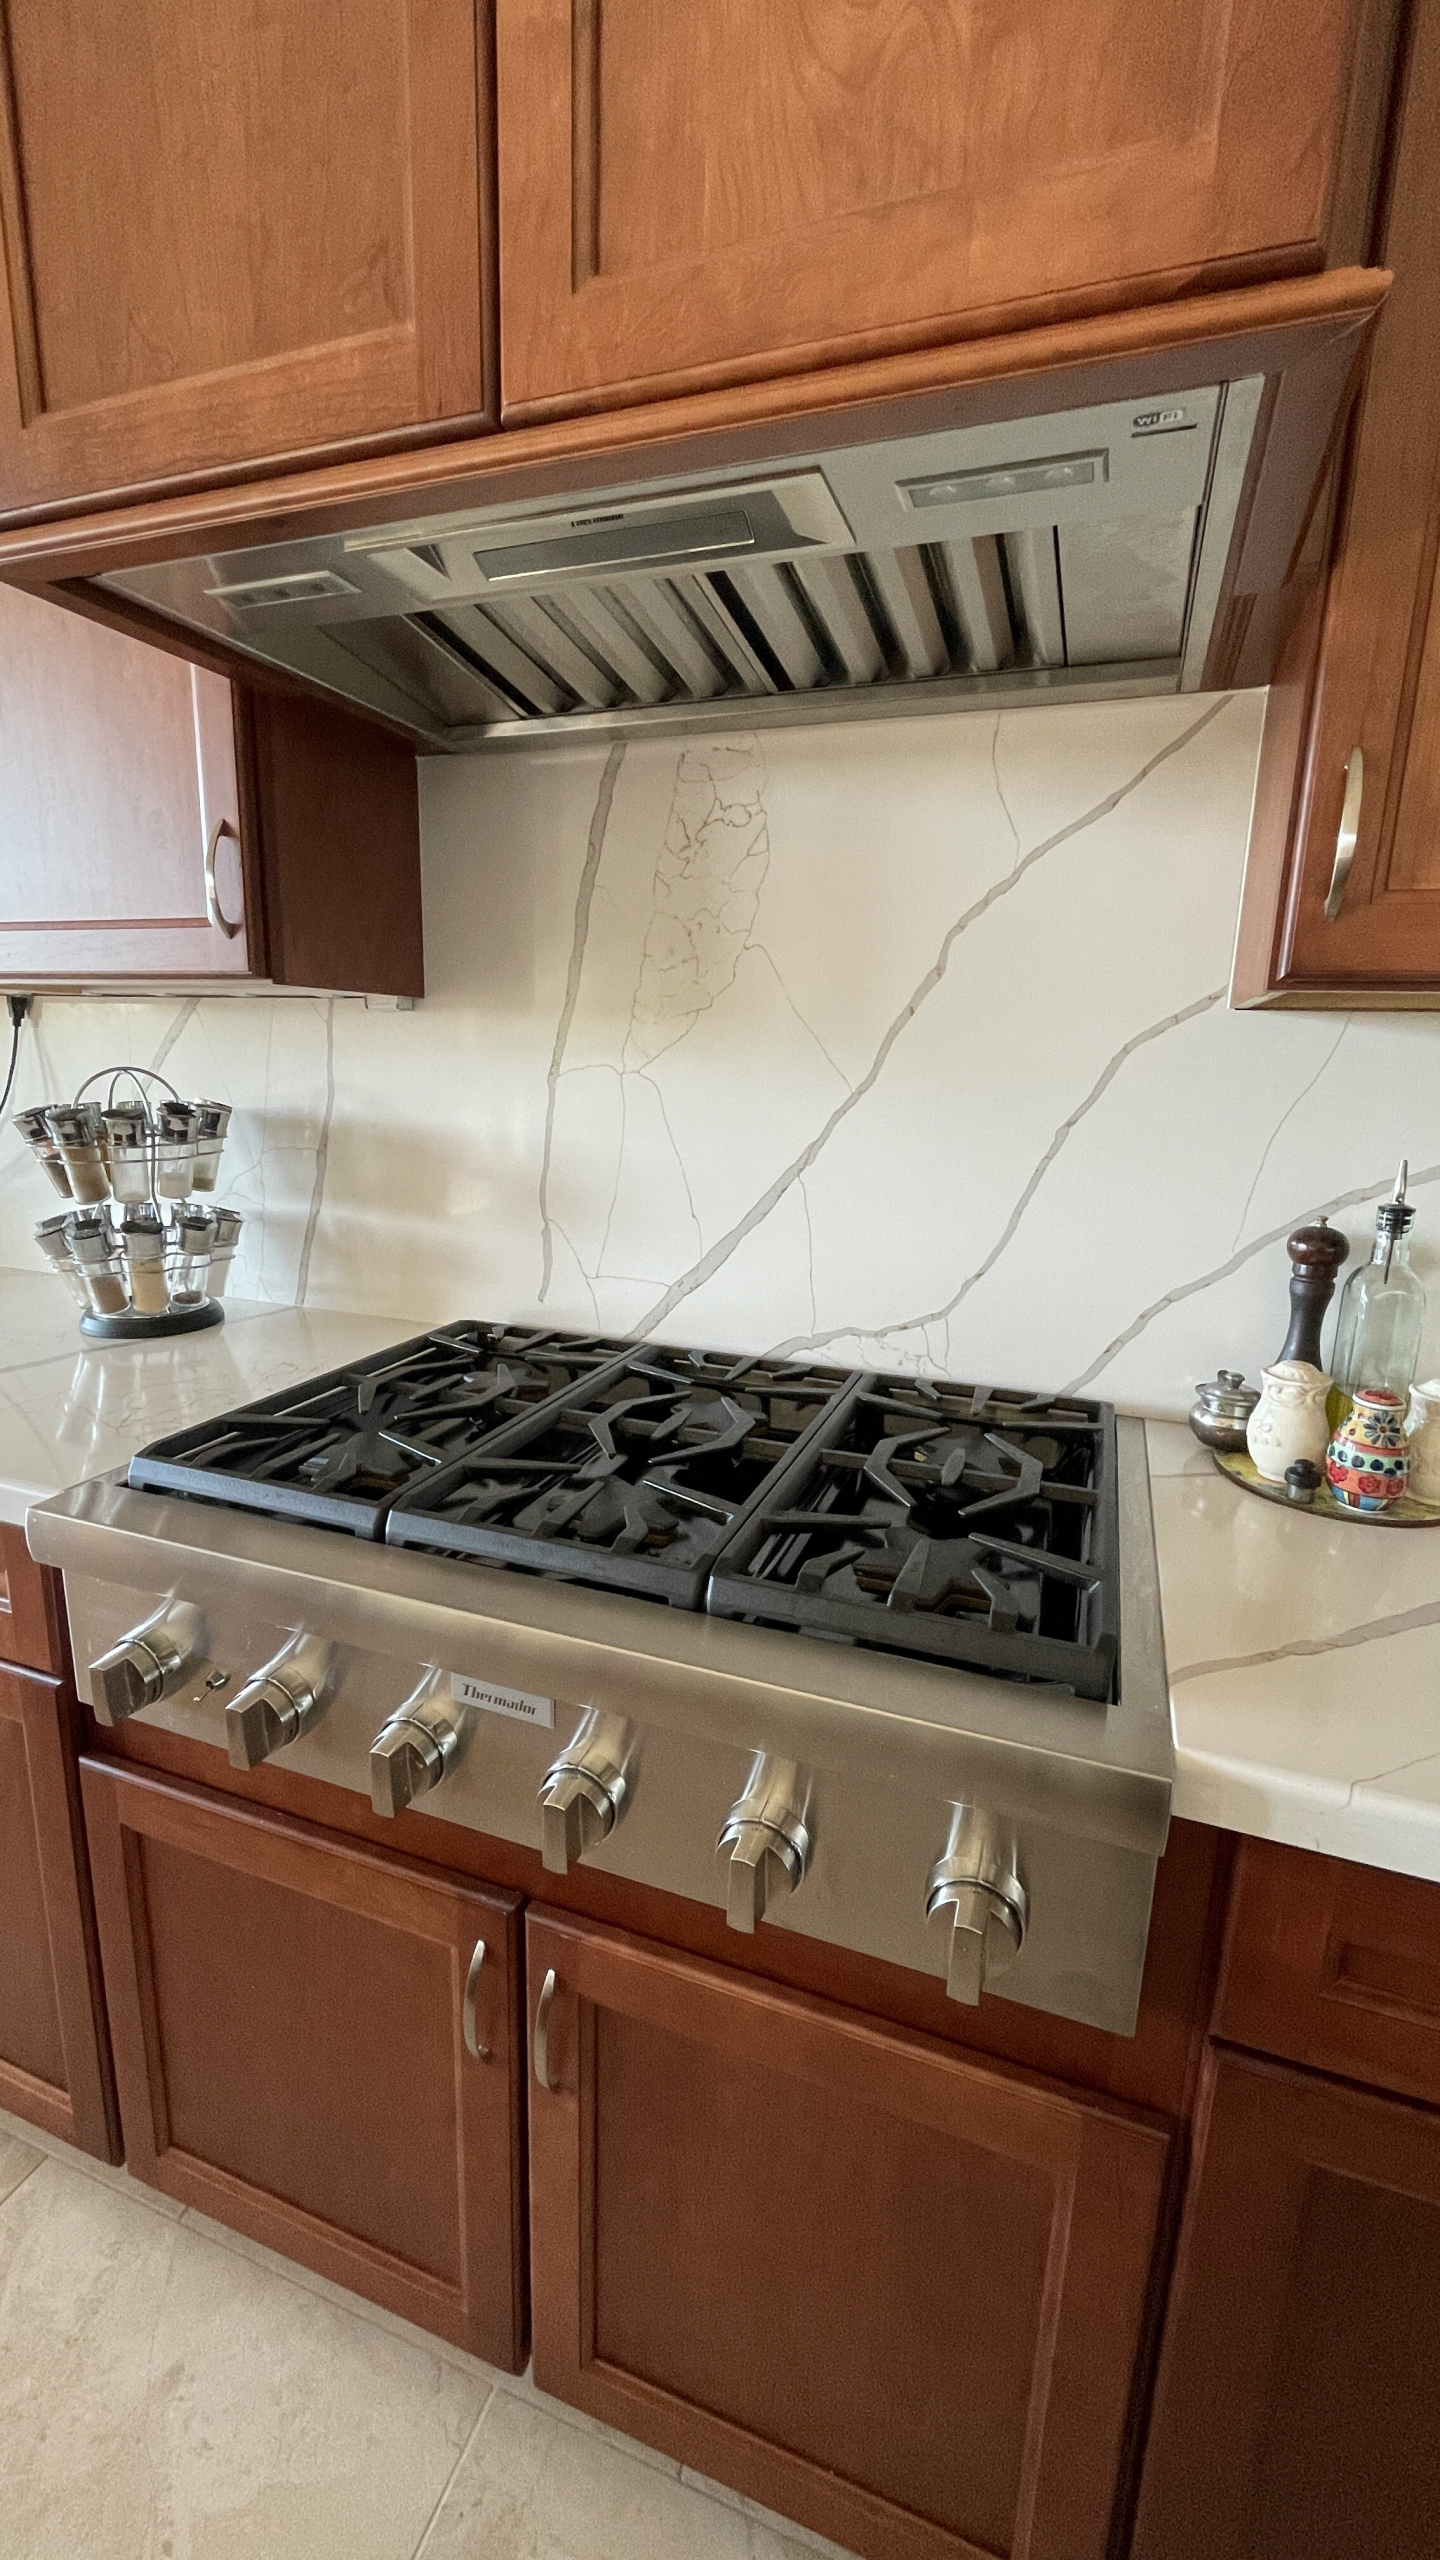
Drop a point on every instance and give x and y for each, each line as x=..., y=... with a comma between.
x=1316, y=1254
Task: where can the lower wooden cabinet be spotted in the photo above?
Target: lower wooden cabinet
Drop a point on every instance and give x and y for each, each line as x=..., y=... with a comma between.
x=1297, y=2415
x=895, y=2293
x=54, y=2052
x=317, y=2044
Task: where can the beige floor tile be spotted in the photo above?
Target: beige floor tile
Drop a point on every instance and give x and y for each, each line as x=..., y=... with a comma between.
x=100, y=2170
x=17, y=2159
x=795, y=2534
x=165, y=2399
x=532, y=2488
x=344, y=2300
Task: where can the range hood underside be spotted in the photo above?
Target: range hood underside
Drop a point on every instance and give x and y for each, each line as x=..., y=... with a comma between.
x=1079, y=554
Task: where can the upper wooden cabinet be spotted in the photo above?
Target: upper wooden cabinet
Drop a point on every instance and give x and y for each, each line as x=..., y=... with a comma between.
x=233, y=232
x=1342, y=890
x=158, y=822
x=744, y=187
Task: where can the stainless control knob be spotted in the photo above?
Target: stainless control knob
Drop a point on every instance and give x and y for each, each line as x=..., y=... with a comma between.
x=975, y=1894
x=765, y=1840
x=411, y=1753
x=583, y=1791
x=279, y=1703
x=149, y=1663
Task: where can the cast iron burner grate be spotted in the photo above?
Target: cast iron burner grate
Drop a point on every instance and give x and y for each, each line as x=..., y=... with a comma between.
x=965, y=1524
x=339, y=1448
x=637, y=1482
x=974, y=1525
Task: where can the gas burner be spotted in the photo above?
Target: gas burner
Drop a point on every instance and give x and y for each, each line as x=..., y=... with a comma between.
x=970, y=1524
x=637, y=1484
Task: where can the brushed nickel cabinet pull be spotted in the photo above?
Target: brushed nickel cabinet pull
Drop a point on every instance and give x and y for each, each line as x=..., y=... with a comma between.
x=541, y=2044
x=1346, y=839
x=213, y=908
x=478, y=2052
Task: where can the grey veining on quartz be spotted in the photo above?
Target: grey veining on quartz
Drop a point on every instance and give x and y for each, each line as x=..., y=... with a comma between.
x=902, y=1042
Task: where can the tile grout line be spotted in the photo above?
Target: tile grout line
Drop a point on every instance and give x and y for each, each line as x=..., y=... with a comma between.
x=451, y=2475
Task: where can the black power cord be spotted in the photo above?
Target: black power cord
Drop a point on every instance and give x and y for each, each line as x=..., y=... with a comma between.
x=17, y=1008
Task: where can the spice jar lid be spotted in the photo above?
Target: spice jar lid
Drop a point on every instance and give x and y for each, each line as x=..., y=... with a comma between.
x=212, y=1118
x=1227, y=1396
x=74, y=1124
x=127, y=1124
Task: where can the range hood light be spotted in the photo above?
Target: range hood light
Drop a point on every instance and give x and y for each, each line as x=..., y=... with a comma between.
x=963, y=488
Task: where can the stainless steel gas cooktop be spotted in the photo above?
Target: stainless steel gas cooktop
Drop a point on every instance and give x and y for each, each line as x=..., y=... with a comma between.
x=903, y=1688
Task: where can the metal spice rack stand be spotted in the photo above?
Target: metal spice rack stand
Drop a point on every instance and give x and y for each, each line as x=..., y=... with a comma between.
x=147, y=1274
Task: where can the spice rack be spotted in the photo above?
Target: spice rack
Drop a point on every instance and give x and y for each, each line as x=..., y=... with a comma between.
x=142, y=1246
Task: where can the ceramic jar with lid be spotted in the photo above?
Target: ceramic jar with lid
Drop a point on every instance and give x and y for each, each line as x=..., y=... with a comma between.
x=1221, y=1410
x=1290, y=1421
x=1425, y=1441
x=1367, y=1465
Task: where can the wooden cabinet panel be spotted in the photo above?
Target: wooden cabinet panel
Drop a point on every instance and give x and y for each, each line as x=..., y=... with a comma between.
x=893, y=2292
x=1295, y=2410
x=30, y=1621
x=1366, y=671
x=117, y=766
x=54, y=2054
x=756, y=186
x=290, y=2044
x=159, y=822
x=233, y=233
x=1335, y=1965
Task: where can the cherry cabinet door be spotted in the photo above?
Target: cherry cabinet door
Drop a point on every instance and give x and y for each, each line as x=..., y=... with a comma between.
x=1342, y=891
x=54, y=2050
x=119, y=807
x=233, y=232
x=895, y=2293
x=1296, y=2410
x=316, y=2043
x=737, y=188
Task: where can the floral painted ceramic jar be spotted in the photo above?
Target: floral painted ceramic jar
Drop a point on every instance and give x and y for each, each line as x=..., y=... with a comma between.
x=1367, y=1464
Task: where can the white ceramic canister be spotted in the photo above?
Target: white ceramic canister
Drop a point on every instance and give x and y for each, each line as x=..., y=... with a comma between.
x=1289, y=1422
x=1425, y=1441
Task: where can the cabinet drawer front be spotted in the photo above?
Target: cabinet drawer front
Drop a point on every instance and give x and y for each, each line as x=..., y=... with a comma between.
x=1295, y=2407
x=895, y=2294
x=29, y=1610
x=714, y=193
x=290, y=2019
x=1335, y=1965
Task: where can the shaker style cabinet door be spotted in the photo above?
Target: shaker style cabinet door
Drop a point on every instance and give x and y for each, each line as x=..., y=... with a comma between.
x=54, y=2052
x=1295, y=2415
x=158, y=822
x=234, y=231
x=317, y=2045
x=119, y=807
x=734, y=188
x=892, y=2292
x=1342, y=892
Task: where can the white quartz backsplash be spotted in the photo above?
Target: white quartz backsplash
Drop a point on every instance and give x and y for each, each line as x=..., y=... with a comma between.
x=904, y=1040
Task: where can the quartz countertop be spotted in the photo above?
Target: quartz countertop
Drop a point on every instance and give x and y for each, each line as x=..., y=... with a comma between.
x=1304, y=1659
x=1304, y=1654
x=71, y=1408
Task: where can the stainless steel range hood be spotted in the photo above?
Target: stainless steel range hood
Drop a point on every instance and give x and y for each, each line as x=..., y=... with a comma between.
x=1081, y=552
